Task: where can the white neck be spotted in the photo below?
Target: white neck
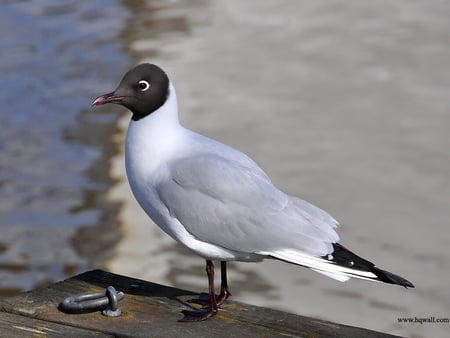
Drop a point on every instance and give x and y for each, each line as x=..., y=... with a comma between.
x=166, y=114
x=152, y=139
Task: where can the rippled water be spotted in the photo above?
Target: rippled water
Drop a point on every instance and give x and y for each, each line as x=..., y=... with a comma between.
x=54, y=57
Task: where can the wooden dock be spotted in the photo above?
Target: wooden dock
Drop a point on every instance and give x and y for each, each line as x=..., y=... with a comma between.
x=150, y=310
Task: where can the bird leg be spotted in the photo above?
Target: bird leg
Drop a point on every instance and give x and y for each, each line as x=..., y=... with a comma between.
x=203, y=299
x=211, y=302
x=224, y=291
x=211, y=309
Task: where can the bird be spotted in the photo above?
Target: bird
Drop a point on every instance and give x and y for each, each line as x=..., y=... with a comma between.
x=217, y=201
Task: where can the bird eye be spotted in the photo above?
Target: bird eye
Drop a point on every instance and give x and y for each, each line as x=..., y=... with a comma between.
x=144, y=85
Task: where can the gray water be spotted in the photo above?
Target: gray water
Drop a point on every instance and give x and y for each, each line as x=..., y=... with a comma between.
x=54, y=58
x=343, y=103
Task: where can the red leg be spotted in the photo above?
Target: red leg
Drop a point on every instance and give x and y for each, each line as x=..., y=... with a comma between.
x=204, y=298
x=211, y=309
x=224, y=291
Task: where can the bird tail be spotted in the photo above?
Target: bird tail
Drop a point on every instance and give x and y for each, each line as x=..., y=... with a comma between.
x=341, y=264
x=389, y=277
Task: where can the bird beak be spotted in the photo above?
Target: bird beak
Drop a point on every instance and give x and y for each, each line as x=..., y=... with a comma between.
x=107, y=98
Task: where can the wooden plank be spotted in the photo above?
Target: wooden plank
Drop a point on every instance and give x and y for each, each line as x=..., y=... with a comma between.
x=20, y=326
x=153, y=310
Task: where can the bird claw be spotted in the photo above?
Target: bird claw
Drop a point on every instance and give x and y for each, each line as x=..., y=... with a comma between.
x=209, y=302
x=224, y=294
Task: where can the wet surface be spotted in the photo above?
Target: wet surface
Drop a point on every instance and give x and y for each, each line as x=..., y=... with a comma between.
x=54, y=57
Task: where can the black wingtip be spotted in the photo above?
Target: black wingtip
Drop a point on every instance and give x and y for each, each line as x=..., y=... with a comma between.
x=344, y=257
x=388, y=277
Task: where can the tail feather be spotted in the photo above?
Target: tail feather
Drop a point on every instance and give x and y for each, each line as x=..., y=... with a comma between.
x=389, y=277
x=341, y=264
x=345, y=257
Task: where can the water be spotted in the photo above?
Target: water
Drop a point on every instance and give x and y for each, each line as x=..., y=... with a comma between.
x=54, y=57
x=343, y=103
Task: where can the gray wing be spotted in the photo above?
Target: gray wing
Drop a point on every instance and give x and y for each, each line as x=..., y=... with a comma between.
x=235, y=205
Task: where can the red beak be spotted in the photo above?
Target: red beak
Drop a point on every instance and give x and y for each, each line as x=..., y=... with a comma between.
x=107, y=98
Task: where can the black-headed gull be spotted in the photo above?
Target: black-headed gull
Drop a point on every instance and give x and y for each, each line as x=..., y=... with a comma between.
x=217, y=201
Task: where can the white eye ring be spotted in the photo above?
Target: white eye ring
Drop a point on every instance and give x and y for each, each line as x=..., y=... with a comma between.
x=143, y=85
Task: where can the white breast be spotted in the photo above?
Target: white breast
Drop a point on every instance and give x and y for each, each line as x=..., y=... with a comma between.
x=150, y=144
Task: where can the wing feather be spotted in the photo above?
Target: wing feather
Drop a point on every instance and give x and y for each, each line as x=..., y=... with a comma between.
x=235, y=205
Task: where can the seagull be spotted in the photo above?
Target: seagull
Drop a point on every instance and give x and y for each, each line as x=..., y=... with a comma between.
x=217, y=201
